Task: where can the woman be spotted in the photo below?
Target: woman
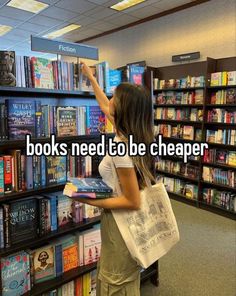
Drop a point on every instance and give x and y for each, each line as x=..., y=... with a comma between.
x=130, y=111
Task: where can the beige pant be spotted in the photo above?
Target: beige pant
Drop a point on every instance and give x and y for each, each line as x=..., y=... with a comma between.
x=117, y=274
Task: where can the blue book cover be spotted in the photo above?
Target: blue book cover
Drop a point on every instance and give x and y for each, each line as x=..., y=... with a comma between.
x=106, y=78
x=89, y=185
x=43, y=170
x=15, y=271
x=114, y=80
x=53, y=206
x=29, y=172
x=136, y=74
x=95, y=120
x=61, y=169
x=21, y=118
x=58, y=259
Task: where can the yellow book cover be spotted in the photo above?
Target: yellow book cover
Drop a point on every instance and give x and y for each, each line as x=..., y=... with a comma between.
x=108, y=126
x=232, y=158
x=224, y=78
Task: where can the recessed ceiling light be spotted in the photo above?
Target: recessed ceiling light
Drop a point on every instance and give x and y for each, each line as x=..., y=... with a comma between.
x=125, y=4
x=4, y=29
x=28, y=5
x=62, y=31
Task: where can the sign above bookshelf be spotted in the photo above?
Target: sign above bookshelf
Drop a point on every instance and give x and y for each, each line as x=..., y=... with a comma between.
x=64, y=48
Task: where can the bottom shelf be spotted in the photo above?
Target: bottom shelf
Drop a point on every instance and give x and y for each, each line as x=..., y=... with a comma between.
x=182, y=198
x=71, y=275
x=217, y=210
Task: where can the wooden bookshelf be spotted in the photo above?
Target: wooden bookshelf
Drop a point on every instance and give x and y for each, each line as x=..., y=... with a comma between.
x=204, y=68
x=24, y=245
x=177, y=175
x=182, y=198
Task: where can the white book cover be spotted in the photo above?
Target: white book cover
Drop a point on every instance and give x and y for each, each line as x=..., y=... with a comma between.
x=22, y=66
x=92, y=246
x=231, y=78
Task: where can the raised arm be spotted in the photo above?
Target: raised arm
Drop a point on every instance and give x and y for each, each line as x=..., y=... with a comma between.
x=101, y=97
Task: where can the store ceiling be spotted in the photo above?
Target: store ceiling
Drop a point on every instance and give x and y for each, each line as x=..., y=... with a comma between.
x=94, y=16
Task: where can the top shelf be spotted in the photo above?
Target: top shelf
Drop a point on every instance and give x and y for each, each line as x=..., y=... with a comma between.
x=177, y=89
x=24, y=91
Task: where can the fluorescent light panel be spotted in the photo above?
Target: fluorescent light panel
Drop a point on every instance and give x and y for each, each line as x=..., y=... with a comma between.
x=28, y=5
x=126, y=4
x=62, y=31
x=4, y=29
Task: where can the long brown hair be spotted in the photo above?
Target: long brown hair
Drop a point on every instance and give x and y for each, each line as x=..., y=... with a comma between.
x=133, y=115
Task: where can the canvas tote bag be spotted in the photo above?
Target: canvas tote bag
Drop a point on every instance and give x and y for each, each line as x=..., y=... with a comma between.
x=150, y=232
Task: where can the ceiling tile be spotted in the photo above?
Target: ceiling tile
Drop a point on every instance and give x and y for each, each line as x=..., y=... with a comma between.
x=46, y=21
x=15, y=13
x=144, y=12
x=78, y=6
x=58, y=13
x=100, y=12
x=169, y=4
x=5, y=43
x=90, y=31
x=99, y=2
x=103, y=26
x=33, y=28
x=9, y=21
x=121, y=19
x=82, y=20
x=17, y=35
x=50, y=2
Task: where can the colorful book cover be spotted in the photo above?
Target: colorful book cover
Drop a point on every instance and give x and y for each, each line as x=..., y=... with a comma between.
x=15, y=274
x=92, y=246
x=88, y=185
x=1, y=175
x=23, y=220
x=61, y=167
x=114, y=80
x=85, y=84
x=231, y=77
x=70, y=257
x=7, y=68
x=95, y=120
x=43, y=264
x=66, y=121
x=136, y=74
x=188, y=132
x=64, y=209
x=231, y=96
x=21, y=118
x=42, y=73
x=51, y=170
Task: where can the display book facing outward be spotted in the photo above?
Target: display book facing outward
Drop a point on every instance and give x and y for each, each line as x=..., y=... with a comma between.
x=197, y=103
x=31, y=191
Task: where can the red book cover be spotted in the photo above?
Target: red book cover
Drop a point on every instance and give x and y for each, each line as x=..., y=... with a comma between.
x=7, y=173
x=79, y=287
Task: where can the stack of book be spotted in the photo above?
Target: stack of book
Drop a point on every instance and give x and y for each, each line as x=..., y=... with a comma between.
x=219, y=176
x=223, y=199
x=223, y=78
x=185, y=82
x=224, y=96
x=186, y=132
x=180, y=97
x=189, y=114
x=87, y=188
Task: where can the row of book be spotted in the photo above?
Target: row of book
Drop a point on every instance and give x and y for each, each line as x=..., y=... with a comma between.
x=185, y=82
x=220, y=157
x=34, y=266
x=39, y=215
x=191, y=114
x=186, y=132
x=82, y=286
x=219, y=136
x=223, y=78
x=177, y=167
x=223, y=199
x=219, y=176
x=21, y=117
x=178, y=186
x=19, y=172
x=180, y=97
x=221, y=115
x=224, y=96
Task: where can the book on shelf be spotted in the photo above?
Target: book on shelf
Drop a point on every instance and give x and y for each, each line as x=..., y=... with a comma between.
x=219, y=176
x=85, y=84
x=66, y=121
x=224, y=96
x=188, y=114
x=220, y=198
x=42, y=73
x=223, y=78
x=7, y=68
x=221, y=115
x=15, y=274
x=219, y=136
x=184, y=82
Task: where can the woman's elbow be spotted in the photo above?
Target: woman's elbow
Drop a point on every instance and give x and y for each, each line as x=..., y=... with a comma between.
x=136, y=205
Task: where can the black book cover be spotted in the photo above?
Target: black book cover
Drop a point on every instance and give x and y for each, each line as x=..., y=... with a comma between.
x=23, y=220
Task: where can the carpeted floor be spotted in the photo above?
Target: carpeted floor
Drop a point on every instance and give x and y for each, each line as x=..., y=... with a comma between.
x=204, y=261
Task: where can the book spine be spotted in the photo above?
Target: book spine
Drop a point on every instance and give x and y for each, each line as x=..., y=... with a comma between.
x=58, y=260
x=38, y=119
x=1, y=228
x=18, y=168
x=29, y=172
x=53, y=207
x=6, y=214
x=1, y=175
x=7, y=173
x=43, y=170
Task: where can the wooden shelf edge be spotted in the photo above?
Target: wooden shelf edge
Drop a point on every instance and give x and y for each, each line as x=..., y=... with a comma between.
x=217, y=210
x=219, y=186
x=182, y=198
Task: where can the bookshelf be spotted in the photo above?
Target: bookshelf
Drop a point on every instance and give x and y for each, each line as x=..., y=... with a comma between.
x=204, y=68
x=55, y=95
